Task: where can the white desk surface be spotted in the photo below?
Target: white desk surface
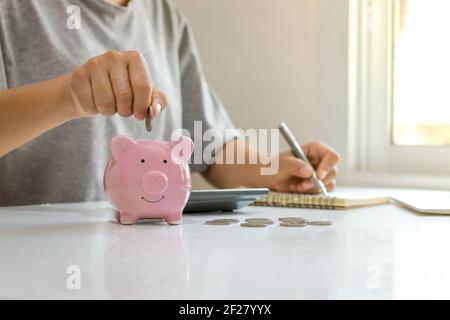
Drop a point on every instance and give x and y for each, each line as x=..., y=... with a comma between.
x=383, y=252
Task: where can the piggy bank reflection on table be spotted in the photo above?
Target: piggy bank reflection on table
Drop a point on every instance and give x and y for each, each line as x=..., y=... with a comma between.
x=139, y=264
x=148, y=179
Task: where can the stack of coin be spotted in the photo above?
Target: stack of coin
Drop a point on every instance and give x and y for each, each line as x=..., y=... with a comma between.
x=293, y=219
x=222, y=222
x=320, y=223
x=253, y=225
x=300, y=222
x=260, y=220
x=295, y=222
x=257, y=222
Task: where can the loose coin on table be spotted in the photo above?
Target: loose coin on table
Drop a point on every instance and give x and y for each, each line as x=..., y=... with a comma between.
x=253, y=225
x=219, y=223
x=320, y=223
x=260, y=220
x=293, y=224
x=227, y=220
x=292, y=219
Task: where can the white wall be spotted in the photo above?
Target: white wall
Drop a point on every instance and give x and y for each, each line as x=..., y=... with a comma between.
x=262, y=58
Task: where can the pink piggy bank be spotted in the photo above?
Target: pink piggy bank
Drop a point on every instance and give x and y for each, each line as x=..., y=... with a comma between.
x=148, y=179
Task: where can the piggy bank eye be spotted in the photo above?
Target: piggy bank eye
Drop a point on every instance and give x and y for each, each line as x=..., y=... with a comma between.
x=143, y=160
x=165, y=161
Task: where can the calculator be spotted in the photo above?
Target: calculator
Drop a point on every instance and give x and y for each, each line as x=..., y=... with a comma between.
x=222, y=199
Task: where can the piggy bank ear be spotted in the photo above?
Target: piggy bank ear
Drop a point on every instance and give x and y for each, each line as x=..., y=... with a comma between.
x=120, y=144
x=182, y=149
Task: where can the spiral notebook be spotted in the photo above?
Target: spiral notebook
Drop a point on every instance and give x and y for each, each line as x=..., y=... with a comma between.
x=335, y=201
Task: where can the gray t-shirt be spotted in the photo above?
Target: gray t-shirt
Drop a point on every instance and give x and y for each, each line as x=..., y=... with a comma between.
x=66, y=164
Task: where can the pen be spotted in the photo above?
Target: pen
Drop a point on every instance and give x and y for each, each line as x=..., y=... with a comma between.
x=298, y=152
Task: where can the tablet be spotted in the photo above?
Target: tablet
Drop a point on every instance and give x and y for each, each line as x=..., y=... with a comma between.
x=426, y=204
x=222, y=199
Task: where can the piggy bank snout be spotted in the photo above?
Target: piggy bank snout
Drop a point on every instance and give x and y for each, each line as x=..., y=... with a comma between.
x=154, y=182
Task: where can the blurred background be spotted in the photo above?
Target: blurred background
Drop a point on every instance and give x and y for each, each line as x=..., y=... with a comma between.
x=261, y=58
x=369, y=77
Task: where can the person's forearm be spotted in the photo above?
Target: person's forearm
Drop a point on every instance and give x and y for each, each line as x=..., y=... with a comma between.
x=234, y=175
x=29, y=111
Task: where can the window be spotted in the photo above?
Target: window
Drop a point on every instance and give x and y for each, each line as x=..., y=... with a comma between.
x=403, y=105
x=384, y=99
x=421, y=106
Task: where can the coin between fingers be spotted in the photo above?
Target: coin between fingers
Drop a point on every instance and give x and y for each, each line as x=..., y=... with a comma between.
x=149, y=120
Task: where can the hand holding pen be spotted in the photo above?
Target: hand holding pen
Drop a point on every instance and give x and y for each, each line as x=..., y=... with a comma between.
x=319, y=162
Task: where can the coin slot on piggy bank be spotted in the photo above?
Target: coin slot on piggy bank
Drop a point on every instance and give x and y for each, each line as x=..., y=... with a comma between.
x=148, y=179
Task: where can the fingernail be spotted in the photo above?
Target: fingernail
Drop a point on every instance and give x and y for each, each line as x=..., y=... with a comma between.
x=140, y=117
x=306, y=171
x=158, y=108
